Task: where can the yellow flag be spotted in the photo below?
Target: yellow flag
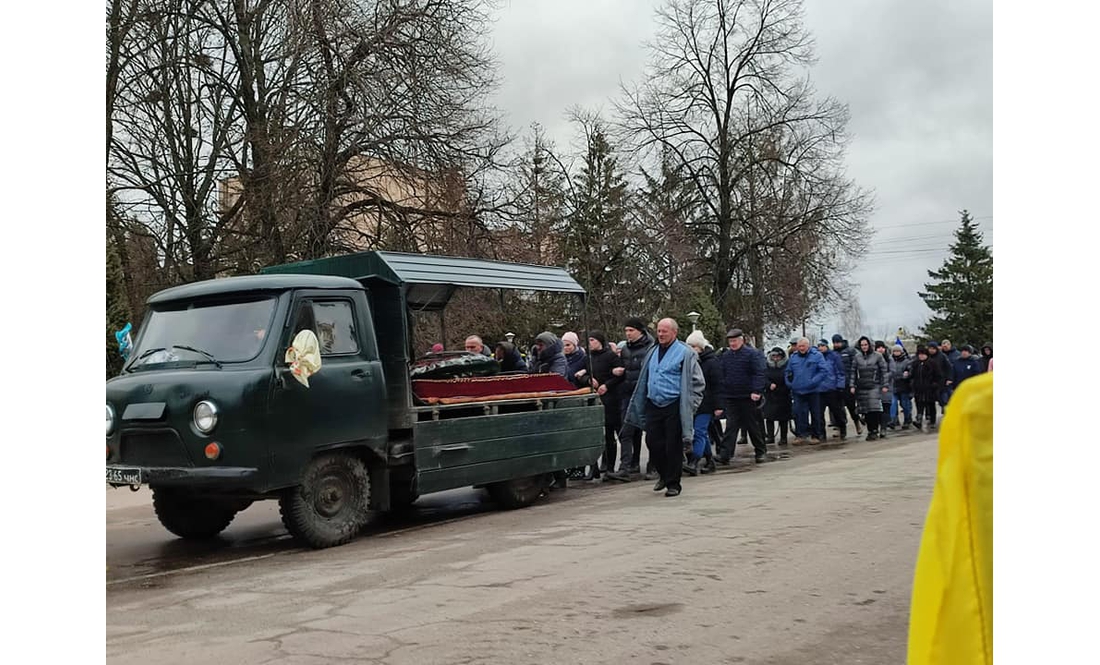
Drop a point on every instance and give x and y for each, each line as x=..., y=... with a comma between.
x=951, y=616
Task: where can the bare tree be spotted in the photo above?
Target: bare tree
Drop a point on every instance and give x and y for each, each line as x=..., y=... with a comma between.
x=174, y=118
x=721, y=82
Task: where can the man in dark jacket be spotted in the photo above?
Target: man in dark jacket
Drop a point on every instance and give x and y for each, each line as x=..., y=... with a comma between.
x=606, y=384
x=927, y=375
x=743, y=370
x=964, y=367
x=806, y=373
x=847, y=354
x=832, y=394
x=937, y=357
x=509, y=358
x=949, y=350
x=638, y=344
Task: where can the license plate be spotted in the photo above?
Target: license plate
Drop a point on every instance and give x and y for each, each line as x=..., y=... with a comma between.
x=123, y=476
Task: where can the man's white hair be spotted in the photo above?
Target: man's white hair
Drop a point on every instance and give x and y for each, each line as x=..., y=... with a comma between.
x=672, y=324
x=475, y=338
x=804, y=339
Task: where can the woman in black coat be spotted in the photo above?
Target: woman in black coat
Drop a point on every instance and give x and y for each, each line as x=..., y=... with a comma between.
x=777, y=397
x=927, y=379
x=606, y=385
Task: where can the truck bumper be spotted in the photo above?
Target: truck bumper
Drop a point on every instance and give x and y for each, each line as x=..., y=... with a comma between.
x=224, y=477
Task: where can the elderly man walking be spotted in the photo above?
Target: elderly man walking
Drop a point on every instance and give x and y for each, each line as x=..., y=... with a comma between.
x=743, y=374
x=669, y=391
x=806, y=374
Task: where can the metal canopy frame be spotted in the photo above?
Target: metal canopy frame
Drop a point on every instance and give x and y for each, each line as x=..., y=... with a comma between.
x=428, y=281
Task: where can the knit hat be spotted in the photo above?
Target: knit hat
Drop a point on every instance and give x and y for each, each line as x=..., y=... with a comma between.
x=793, y=342
x=922, y=349
x=572, y=338
x=437, y=348
x=933, y=343
x=698, y=340
x=636, y=323
x=879, y=344
x=838, y=337
x=898, y=347
x=822, y=342
x=599, y=337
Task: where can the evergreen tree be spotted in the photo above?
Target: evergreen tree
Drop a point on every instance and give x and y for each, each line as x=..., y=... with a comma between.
x=961, y=294
x=596, y=244
x=118, y=309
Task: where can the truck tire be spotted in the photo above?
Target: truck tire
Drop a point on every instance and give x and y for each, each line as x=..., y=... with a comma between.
x=518, y=492
x=332, y=503
x=191, y=518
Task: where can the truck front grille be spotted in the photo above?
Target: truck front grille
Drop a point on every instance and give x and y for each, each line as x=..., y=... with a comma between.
x=153, y=448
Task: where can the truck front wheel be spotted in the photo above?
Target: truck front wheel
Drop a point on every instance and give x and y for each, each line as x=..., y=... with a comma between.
x=331, y=505
x=189, y=517
x=518, y=492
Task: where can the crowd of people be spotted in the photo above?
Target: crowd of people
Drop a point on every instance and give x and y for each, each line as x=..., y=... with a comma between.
x=679, y=393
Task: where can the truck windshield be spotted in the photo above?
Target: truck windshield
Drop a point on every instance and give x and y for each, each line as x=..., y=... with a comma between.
x=222, y=332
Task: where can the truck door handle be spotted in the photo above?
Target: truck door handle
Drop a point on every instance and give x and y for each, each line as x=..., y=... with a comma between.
x=359, y=374
x=454, y=449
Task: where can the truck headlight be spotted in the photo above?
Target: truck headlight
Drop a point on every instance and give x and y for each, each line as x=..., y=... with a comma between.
x=206, y=416
x=110, y=420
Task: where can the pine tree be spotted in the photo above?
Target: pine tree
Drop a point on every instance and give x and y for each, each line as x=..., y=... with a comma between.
x=596, y=242
x=961, y=294
x=118, y=310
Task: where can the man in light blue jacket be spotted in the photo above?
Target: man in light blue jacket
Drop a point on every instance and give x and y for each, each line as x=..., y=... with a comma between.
x=669, y=390
x=807, y=375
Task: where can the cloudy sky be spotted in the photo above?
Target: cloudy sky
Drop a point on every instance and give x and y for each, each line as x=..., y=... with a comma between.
x=917, y=76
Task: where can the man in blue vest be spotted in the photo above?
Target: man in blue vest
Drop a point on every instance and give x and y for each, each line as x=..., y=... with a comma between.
x=670, y=389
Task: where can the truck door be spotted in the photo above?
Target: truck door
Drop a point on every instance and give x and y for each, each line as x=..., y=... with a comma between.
x=345, y=402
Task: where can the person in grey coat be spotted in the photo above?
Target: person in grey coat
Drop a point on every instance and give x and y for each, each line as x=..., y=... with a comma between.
x=550, y=358
x=903, y=387
x=670, y=388
x=868, y=380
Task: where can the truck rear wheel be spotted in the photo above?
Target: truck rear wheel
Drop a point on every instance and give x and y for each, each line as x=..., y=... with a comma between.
x=189, y=517
x=331, y=505
x=518, y=492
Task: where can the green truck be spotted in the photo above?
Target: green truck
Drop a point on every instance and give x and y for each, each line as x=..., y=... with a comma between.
x=208, y=414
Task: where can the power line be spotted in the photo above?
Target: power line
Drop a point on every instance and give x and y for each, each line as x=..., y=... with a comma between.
x=945, y=221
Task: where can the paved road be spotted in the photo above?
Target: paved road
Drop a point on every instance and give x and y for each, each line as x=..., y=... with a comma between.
x=807, y=560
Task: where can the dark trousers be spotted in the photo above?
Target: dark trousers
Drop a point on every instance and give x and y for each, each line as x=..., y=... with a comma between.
x=834, y=401
x=926, y=408
x=804, y=405
x=631, y=439
x=850, y=403
x=783, y=426
x=610, y=446
x=743, y=413
x=665, y=440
